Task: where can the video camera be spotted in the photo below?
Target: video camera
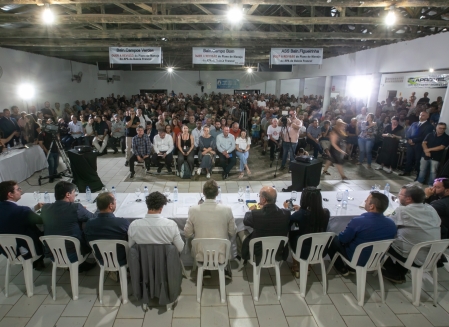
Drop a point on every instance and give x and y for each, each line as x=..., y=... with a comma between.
x=50, y=128
x=244, y=105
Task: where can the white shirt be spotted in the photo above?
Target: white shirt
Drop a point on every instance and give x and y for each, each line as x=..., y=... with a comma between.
x=142, y=121
x=274, y=132
x=261, y=104
x=243, y=143
x=196, y=133
x=155, y=229
x=76, y=128
x=89, y=130
x=163, y=145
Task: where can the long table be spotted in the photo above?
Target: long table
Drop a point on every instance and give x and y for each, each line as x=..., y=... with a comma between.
x=19, y=164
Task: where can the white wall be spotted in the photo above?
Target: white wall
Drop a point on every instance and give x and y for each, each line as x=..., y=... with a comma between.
x=270, y=87
x=290, y=86
x=314, y=86
x=339, y=85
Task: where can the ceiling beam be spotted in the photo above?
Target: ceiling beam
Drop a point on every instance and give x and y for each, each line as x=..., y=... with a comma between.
x=57, y=33
x=145, y=7
x=133, y=12
x=216, y=19
x=203, y=9
x=318, y=3
x=252, y=9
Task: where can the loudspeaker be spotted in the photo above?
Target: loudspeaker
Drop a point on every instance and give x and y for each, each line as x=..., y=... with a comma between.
x=84, y=170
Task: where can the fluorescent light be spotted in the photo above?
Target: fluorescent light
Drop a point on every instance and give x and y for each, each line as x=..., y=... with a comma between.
x=25, y=91
x=235, y=15
x=249, y=70
x=48, y=16
x=170, y=69
x=391, y=18
x=431, y=70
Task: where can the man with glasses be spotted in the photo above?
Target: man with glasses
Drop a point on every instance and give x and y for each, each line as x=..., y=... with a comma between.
x=433, y=147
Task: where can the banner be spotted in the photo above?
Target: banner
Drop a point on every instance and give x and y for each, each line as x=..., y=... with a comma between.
x=228, y=84
x=218, y=56
x=296, y=56
x=428, y=81
x=135, y=55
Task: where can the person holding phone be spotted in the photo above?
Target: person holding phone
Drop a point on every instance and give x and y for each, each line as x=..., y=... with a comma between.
x=242, y=145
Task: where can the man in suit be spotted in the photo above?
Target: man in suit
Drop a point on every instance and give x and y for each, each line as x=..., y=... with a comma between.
x=270, y=220
x=210, y=220
x=9, y=125
x=15, y=219
x=415, y=136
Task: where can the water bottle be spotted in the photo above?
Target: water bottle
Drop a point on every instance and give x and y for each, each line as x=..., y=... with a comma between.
x=344, y=202
x=247, y=194
x=387, y=189
x=46, y=197
x=8, y=149
x=219, y=195
x=145, y=191
x=175, y=194
x=88, y=194
x=114, y=191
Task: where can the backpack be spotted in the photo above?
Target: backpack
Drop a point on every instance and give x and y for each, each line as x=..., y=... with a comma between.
x=185, y=171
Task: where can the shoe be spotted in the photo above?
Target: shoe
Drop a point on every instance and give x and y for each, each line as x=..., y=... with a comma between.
x=368, y=166
x=207, y=274
x=126, y=163
x=223, y=176
x=343, y=271
x=397, y=279
x=379, y=168
x=344, y=178
x=282, y=168
x=351, y=271
x=147, y=171
x=264, y=152
x=387, y=170
x=51, y=180
x=115, y=151
x=199, y=171
x=228, y=274
x=39, y=264
x=325, y=172
x=132, y=174
x=159, y=169
x=404, y=174
x=208, y=175
x=86, y=266
x=170, y=170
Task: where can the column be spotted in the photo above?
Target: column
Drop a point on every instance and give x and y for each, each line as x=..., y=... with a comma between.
x=444, y=116
x=278, y=88
x=327, y=94
x=302, y=84
x=374, y=94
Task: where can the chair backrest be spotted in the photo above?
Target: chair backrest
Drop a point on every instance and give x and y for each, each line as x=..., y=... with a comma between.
x=211, y=248
x=270, y=246
x=108, y=251
x=320, y=241
x=377, y=253
x=9, y=244
x=436, y=248
x=56, y=244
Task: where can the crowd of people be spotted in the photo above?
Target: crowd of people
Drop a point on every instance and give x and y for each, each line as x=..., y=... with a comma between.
x=423, y=215
x=175, y=129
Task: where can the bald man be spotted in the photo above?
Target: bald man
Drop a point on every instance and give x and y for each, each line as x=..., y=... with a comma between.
x=269, y=220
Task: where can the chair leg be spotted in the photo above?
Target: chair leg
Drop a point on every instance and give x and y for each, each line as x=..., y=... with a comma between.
x=74, y=279
x=435, y=285
x=324, y=276
x=199, y=284
x=381, y=284
x=303, y=267
x=100, y=285
x=332, y=263
x=222, y=284
x=416, y=285
x=124, y=284
x=278, y=280
x=361, y=281
x=53, y=281
x=28, y=275
x=256, y=281
x=7, y=279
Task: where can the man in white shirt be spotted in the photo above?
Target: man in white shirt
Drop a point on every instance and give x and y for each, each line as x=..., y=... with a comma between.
x=142, y=119
x=362, y=115
x=261, y=102
x=163, y=149
x=416, y=222
x=76, y=133
x=155, y=228
x=273, y=132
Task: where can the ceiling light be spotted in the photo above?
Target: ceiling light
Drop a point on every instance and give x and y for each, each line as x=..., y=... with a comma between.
x=170, y=70
x=25, y=91
x=431, y=70
x=235, y=15
x=164, y=39
x=48, y=16
x=249, y=70
x=390, y=19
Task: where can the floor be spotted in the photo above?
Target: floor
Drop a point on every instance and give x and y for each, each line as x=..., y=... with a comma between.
x=337, y=308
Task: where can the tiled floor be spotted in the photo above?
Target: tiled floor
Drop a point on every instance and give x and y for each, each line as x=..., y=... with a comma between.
x=337, y=308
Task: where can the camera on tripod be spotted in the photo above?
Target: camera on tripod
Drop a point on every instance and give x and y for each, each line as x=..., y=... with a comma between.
x=244, y=105
x=50, y=128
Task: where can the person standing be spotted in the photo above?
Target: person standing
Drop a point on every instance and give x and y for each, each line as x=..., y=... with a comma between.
x=313, y=137
x=142, y=149
x=337, y=149
x=9, y=126
x=273, y=134
x=366, y=139
x=226, y=152
x=290, y=138
x=51, y=152
x=131, y=123
x=242, y=145
x=388, y=158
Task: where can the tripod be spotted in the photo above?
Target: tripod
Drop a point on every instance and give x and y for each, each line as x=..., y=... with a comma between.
x=243, y=120
x=68, y=171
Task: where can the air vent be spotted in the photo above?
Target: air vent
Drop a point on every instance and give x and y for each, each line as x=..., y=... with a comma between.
x=394, y=80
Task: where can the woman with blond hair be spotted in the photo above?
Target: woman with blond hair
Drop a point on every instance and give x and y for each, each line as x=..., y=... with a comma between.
x=337, y=149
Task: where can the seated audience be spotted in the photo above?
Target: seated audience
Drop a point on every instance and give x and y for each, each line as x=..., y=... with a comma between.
x=196, y=133
x=89, y=131
x=242, y=145
x=369, y=227
x=416, y=222
x=226, y=151
x=75, y=134
x=438, y=197
x=206, y=152
x=117, y=134
x=186, y=145
x=210, y=220
x=101, y=135
x=235, y=130
x=163, y=150
x=142, y=148
x=216, y=129
x=154, y=228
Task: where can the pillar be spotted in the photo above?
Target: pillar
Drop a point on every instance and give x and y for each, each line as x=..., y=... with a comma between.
x=302, y=84
x=327, y=94
x=444, y=116
x=374, y=94
x=278, y=88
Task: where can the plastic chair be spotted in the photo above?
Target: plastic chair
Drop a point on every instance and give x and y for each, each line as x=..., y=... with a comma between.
x=9, y=244
x=56, y=244
x=270, y=246
x=108, y=251
x=211, y=247
x=320, y=241
x=430, y=264
x=374, y=263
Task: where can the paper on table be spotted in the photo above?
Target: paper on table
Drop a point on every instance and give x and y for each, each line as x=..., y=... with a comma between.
x=238, y=210
x=182, y=210
x=190, y=201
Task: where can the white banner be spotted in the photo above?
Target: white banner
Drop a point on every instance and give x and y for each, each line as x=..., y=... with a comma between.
x=296, y=56
x=218, y=56
x=135, y=55
x=428, y=81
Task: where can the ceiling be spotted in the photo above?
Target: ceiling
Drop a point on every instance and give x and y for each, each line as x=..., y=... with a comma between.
x=83, y=30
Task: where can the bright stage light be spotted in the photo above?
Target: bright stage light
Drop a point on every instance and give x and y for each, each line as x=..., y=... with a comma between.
x=249, y=70
x=25, y=91
x=170, y=70
x=431, y=70
x=391, y=18
x=235, y=15
x=359, y=86
x=48, y=16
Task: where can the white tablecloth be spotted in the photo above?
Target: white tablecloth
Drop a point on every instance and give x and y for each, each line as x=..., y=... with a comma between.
x=20, y=164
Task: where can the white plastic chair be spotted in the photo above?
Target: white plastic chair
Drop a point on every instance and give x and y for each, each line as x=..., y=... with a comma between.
x=430, y=264
x=270, y=246
x=9, y=244
x=211, y=248
x=319, y=243
x=374, y=263
x=108, y=251
x=56, y=244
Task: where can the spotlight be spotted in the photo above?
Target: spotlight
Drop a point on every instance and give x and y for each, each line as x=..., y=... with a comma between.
x=25, y=91
x=48, y=16
x=164, y=39
x=170, y=70
x=249, y=70
x=431, y=70
x=391, y=17
x=235, y=15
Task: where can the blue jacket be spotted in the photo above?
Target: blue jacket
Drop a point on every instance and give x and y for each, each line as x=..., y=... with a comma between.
x=417, y=134
x=369, y=227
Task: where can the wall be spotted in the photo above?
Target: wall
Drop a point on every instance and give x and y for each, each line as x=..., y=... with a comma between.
x=290, y=86
x=339, y=85
x=314, y=86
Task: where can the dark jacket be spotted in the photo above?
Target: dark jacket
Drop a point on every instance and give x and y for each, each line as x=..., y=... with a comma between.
x=8, y=126
x=268, y=221
x=417, y=134
x=155, y=272
x=442, y=207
